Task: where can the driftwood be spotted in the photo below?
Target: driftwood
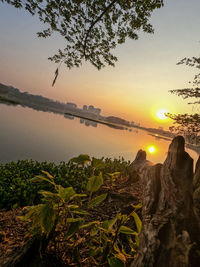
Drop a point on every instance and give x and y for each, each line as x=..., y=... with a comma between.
x=170, y=234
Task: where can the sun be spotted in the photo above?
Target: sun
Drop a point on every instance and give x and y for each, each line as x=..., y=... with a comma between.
x=151, y=149
x=161, y=114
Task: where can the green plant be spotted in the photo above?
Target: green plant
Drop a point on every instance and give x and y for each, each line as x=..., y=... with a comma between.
x=106, y=239
x=59, y=206
x=112, y=178
x=63, y=210
x=16, y=188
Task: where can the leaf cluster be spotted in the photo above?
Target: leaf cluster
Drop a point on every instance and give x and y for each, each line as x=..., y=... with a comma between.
x=91, y=28
x=16, y=188
x=97, y=242
x=188, y=124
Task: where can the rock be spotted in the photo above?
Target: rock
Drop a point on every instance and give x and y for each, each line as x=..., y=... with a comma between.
x=138, y=165
x=196, y=183
x=170, y=228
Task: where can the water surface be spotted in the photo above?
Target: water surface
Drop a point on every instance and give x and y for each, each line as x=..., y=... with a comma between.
x=42, y=136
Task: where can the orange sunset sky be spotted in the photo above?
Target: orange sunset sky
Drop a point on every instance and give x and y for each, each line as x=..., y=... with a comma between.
x=134, y=90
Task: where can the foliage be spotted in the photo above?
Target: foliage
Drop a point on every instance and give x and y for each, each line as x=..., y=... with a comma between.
x=16, y=187
x=91, y=28
x=64, y=210
x=188, y=124
x=82, y=159
x=108, y=165
x=56, y=206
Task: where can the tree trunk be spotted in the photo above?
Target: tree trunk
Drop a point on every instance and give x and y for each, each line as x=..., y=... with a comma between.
x=170, y=234
x=196, y=183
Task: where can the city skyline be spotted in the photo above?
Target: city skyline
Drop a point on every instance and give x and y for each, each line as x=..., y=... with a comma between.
x=135, y=89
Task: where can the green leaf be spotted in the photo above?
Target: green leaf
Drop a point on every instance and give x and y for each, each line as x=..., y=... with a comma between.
x=81, y=159
x=124, y=218
x=66, y=193
x=115, y=262
x=94, y=251
x=47, y=218
x=89, y=224
x=40, y=177
x=97, y=200
x=138, y=222
x=138, y=206
x=94, y=183
x=49, y=195
x=114, y=174
x=72, y=207
x=79, y=211
x=73, y=228
x=71, y=220
x=97, y=163
x=108, y=224
x=94, y=231
x=78, y=195
x=126, y=230
x=48, y=174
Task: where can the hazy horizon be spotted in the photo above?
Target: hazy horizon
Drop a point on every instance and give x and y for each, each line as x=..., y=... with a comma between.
x=135, y=89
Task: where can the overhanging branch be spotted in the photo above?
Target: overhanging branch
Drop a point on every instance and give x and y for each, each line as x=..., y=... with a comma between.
x=93, y=24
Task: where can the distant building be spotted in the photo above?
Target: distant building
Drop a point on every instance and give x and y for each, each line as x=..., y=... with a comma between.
x=94, y=110
x=85, y=107
x=71, y=105
x=91, y=109
x=117, y=120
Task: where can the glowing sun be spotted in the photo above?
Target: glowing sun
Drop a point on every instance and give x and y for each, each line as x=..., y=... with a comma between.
x=161, y=114
x=151, y=149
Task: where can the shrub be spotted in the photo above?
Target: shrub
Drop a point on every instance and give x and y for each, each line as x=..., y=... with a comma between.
x=16, y=188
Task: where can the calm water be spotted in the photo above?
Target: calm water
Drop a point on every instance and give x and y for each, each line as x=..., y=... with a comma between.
x=30, y=134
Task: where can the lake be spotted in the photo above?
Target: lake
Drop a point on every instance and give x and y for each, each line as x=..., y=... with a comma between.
x=42, y=136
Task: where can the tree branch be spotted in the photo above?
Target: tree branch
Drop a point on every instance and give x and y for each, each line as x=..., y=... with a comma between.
x=94, y=22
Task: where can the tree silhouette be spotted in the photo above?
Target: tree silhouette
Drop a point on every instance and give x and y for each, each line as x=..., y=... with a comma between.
x=91, y=28
x=189, y=124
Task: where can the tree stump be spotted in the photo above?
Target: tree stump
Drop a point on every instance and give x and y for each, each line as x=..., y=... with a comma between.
x=170, y=235
x=196, y=183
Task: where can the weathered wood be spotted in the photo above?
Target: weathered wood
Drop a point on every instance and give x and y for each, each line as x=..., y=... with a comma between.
x=196, y=183
x=170, y=234
x=23, y=255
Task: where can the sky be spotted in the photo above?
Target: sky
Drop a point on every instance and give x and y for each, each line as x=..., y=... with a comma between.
x=135, y=89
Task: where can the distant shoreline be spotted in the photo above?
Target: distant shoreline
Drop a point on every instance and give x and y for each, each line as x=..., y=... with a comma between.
x=149, y=130
x=98, y=121
x=9, y=101
x=12, y=96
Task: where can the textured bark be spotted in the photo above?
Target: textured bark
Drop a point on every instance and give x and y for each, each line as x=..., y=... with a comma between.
x=22, y=256
x=170, y=234
x=196, y=195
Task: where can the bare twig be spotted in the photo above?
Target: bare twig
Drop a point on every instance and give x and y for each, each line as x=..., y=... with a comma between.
x=56, y=76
